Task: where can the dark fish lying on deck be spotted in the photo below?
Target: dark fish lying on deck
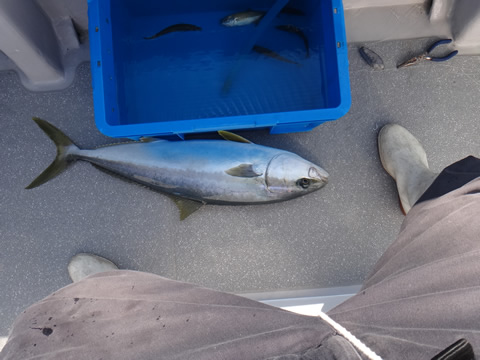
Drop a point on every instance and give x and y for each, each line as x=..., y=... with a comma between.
x=196, y=172
x=294, y=30
x=174, y=28
x=270, y=53
x=371, y=58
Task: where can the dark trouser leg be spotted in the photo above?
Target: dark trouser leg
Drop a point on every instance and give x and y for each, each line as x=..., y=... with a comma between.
x=453, y=177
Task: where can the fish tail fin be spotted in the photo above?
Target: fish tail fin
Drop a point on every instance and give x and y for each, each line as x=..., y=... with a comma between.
x=65, y=150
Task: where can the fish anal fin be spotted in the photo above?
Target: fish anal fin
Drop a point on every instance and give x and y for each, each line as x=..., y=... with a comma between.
x=187, y=207
x=243, y=170
x=227, y=135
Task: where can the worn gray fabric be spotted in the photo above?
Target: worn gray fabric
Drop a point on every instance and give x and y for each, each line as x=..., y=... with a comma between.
x=134, y=315
x=423, y=294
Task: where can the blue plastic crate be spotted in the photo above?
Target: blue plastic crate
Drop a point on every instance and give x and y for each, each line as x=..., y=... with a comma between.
x=208, y=80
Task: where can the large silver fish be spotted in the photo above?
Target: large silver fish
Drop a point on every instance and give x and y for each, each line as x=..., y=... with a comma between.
x=196, y=172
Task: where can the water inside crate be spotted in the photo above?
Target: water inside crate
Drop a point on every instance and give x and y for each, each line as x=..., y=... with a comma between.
x=214, y=72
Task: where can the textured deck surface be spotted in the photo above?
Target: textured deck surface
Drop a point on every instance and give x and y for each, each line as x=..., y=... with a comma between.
x=327, y=239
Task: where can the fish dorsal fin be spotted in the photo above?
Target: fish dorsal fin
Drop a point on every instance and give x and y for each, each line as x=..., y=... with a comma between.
x=187, y=207
x=243, y=170
x=227, y=135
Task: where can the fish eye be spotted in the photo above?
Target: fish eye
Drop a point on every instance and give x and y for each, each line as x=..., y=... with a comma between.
x=304, y=183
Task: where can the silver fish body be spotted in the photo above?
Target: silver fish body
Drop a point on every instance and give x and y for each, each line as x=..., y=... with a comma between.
x=205, y=171
x=211, y=171
x=243, y=18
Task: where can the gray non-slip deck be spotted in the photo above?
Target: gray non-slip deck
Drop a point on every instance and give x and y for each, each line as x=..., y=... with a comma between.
x=330, y=238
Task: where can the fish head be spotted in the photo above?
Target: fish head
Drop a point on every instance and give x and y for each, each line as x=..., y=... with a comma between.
x=288, y=175
x=231, y=20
